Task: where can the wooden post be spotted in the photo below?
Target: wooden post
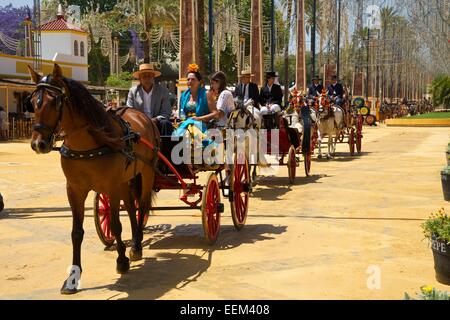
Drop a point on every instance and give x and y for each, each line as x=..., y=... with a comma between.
x=188, y=36
x=256, y=53
x=300, y=75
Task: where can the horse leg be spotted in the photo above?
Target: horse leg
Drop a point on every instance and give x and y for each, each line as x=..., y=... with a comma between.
x=330, y=142
x=135, y=252
x=76, y=200
x=123, y=263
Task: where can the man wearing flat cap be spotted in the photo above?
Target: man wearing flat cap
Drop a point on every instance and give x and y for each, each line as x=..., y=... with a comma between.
x=315, y=89
x=247, y=90
x=336, y=91
x=271, y=95
x=151, y=98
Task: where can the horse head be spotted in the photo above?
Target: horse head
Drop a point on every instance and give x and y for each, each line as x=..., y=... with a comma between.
x=324, y=106
x=46, y=102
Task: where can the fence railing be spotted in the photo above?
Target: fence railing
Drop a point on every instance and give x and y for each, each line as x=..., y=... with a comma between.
x=20, y=127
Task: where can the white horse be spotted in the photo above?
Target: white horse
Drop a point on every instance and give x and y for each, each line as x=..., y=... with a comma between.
x=248, y=116
x=330, y=123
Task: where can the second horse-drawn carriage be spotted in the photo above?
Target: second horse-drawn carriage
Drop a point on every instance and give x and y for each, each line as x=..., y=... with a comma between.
x=288, y=135
x=341, y=124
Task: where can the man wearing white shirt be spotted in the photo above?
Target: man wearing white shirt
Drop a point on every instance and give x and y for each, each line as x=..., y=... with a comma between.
x=246, y=89
x=151, y=98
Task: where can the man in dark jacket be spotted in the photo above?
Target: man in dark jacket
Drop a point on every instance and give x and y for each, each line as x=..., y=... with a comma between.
x=336, y=91
x=247, y=90
x=315, y=89
x=271, y=95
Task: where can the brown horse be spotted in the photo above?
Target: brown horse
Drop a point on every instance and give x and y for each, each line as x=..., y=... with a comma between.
x=93, y=159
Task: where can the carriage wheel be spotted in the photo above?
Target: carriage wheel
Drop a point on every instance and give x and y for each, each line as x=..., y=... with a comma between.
x=370, y=120
x=211, y=209
x=314, y=139
x=358, y=142
x=102, y=218
x=239, y=191
x=351, y=141
x=307, y=161
x=359, y=135
x=291, y=164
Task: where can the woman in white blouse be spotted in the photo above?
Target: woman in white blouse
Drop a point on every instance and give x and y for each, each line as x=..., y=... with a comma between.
x=221, y=97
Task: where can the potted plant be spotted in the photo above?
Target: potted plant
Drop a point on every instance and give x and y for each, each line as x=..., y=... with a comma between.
x=429, y=293
x=445, y=179
x=437, y=230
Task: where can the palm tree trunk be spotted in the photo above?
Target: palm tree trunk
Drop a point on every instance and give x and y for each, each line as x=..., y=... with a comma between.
x=286, y=52
x=201, y=34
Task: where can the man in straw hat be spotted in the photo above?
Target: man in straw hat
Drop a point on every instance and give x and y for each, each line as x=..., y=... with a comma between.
x=151, y=98
x=247, y=90
x=315, y=89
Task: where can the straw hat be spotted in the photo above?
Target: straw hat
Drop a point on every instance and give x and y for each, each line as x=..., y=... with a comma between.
x=247, y=73
x=146, y=68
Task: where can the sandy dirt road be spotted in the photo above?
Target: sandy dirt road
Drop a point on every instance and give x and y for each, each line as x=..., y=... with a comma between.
x=313, y=240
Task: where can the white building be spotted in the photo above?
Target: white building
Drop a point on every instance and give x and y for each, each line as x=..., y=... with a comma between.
x=61, y=42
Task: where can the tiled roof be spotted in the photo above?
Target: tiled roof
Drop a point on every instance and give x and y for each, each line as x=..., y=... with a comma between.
x=60, y=23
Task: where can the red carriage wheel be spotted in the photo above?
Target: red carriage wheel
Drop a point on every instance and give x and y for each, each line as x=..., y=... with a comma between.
x=239, y=191
x=291, y=164
x=358, y=141
x=307, y=161
x=359, y=135
x=211, y=209
x=370, y=120
x=351, y=141
x=314, y=139
x=102, y=218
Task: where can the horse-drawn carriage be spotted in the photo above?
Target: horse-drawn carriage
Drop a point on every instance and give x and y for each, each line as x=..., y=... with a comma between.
x=288, y=135
x=123, y=158
x=205, y=197
x=341, y=124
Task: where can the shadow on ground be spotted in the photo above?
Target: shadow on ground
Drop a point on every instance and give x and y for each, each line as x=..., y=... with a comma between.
x=167, y=271
x=279, y=186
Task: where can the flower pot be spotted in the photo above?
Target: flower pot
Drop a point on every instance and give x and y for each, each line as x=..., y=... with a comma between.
x=445, y=178
x=441, y=255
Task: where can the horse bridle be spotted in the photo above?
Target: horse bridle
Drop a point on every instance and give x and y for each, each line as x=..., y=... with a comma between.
x=60, y=96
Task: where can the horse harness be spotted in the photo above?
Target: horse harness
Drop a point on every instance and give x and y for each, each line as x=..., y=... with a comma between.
x=129, y=136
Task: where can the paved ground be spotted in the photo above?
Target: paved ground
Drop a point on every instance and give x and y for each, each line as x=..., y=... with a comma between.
x=315, y=240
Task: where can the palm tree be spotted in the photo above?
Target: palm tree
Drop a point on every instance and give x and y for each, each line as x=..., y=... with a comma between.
x=153, y=13
x=288, y=5
x=389, y=17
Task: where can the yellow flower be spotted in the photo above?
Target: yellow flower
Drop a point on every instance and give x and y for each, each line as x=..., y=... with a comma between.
x=427, y=289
